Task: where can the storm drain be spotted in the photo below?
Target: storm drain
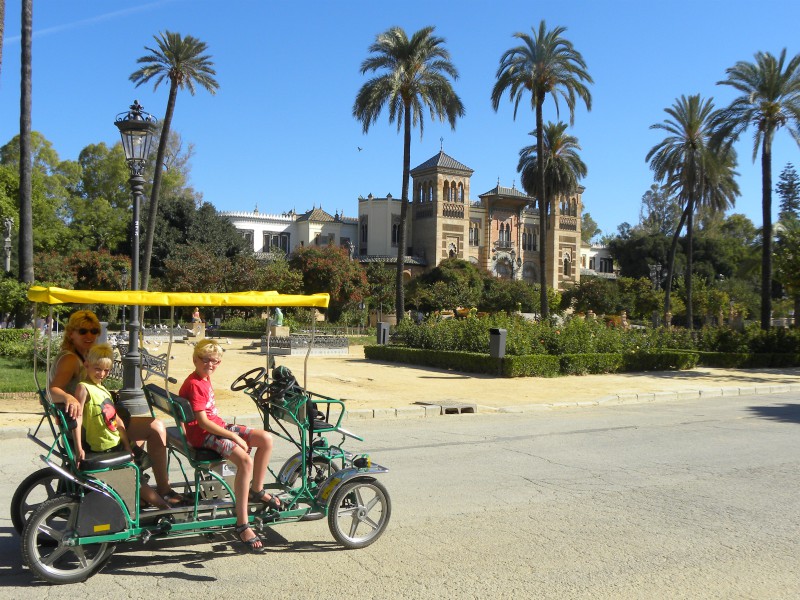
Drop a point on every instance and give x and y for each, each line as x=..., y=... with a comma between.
x=452, y=408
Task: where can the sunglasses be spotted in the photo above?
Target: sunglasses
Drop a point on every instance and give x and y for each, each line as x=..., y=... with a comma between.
x=84, y=331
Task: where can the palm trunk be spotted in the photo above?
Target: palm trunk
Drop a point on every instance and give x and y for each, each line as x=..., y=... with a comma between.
x=542, y=211
x=25, y=167
x=400, y=299
x=688, y=280
x=797, y=311
x=152, y=209
x=766, y=242
x=671, y=264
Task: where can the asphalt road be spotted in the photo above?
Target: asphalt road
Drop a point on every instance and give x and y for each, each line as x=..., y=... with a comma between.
x=691, y=499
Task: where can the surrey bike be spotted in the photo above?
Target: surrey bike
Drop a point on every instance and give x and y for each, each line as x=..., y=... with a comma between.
x=93, y=505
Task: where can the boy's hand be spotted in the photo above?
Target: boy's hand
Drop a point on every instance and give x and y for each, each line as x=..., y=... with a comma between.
x=240, y=442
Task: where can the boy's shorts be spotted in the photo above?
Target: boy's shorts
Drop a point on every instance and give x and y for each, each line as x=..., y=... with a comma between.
x=224, y=446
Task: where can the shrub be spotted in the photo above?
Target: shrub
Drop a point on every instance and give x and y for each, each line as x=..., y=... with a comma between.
x=17, y=343
x=583, y=364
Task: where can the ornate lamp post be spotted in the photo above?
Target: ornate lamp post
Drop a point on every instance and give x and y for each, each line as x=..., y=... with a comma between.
x=9, y=224
x=124, y=287
x=136, y=128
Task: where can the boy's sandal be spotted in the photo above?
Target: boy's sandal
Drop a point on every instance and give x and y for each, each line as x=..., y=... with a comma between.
x=253, y=541
x=272, y=502
x=173, y=498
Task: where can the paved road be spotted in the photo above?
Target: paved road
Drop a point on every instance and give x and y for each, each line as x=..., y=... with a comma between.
x=692, y=499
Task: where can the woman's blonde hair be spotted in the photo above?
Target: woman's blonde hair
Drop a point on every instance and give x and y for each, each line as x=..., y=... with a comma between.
x=78, y=319
x=206, y=348
x=101, y=354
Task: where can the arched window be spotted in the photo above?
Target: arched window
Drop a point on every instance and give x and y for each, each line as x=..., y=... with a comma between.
x=567, y=266
x=461, y=192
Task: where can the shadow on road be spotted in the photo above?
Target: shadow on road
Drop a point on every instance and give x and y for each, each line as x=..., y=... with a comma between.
x=785, y=413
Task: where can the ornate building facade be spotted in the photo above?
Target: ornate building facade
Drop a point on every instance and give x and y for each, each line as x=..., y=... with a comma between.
x=498, y=232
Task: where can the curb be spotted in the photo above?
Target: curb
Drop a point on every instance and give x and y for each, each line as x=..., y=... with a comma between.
x=435, y=410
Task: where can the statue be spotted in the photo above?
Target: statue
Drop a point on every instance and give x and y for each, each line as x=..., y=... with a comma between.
x=278, y=320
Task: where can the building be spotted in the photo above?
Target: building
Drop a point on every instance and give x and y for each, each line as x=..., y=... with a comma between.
x=498, y=232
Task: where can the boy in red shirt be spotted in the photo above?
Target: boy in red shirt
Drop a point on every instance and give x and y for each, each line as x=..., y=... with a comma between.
x=231, y=441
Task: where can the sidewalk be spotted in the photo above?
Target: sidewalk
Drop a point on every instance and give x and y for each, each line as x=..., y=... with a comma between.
x=389, y=390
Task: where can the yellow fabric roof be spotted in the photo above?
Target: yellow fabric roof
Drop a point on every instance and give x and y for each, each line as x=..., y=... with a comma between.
x=55, y=295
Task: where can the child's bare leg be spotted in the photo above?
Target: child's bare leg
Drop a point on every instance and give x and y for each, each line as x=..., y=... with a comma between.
x=262, y=441
x=244, y=471
x=149, y=495
x=154, y=433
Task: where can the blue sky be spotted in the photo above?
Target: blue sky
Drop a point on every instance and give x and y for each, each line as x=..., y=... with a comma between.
x=279, y=133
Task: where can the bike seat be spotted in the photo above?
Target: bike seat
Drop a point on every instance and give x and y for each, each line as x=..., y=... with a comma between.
x=95, y=461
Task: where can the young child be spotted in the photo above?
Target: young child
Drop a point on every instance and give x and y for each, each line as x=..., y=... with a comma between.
x=103, y=429
x=231, y=441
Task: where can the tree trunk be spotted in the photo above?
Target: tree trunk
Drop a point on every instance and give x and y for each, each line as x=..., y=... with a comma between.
x=766, y=242
x=688, y=280
x=545, y=310
x=671, y=264
x=797, y=311
x=400, y=297
x=25, y=166
x=152, y=209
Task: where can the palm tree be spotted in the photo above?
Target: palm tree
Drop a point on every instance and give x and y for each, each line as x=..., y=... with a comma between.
x=182, y=61
x=545, y=63
x=770, y=99
x=412, y=75
x=25, y=164
x=694, y=172
x=563, y=167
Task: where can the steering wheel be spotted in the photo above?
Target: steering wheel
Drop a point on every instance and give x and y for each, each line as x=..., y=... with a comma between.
x=249, y=379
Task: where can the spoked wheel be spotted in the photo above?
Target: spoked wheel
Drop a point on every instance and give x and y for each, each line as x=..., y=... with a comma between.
x=248, y=379
x=359, y=512
x=320, y=471
x=45, y=546
x=34, y=489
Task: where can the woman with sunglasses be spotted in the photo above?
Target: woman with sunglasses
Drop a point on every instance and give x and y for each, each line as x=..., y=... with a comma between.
x=80, y=335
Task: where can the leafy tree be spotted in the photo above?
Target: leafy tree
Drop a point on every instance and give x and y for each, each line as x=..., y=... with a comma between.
x=598, y=294
x=589, y=228
x=659, y=212
x=182, y=61
x=14, y=305
x=413, y=75
x=512, y=295
x=788, y=189
x=329, y=269
x=196, y=268
x=787, y=261
x=769, y=100
x=545, y=63
x=382, y=284
x=693, y=171
x=25, y=255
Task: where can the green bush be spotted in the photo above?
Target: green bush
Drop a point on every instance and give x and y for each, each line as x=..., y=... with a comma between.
x=17, y=343
x=530, y=365
x=583, y=364
x=469, y=362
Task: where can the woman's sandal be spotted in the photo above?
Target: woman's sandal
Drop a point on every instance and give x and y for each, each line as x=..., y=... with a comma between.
x=253, y=541
x=272, y=502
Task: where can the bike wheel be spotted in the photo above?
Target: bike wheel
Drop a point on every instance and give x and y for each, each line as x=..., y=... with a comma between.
x=45, y=541
x=321, y=470
x=34, y=489
x=359, y=512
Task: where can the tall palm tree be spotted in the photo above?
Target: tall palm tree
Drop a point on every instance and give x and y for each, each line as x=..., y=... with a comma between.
x=545, y=63
x=25, y=164
x=694, y=171
x=412, y=75
x=770, y=99
x=563, y=166
x=182, y=61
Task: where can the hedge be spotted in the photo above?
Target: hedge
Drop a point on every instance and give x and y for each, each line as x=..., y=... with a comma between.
x=16, y=343
x=745, y=360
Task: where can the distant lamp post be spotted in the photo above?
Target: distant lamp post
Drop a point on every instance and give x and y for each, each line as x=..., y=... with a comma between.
x=124, y=287
x=9, y=225
x=516, y=263
x=136, y=128
x=655, y=276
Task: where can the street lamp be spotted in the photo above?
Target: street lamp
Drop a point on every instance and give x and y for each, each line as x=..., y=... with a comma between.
x=136, y=128
x=124, y=287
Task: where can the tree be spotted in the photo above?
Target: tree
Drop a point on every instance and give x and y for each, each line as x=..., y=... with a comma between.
x=382, y=284
x=545, y=63
x=787, y=261
x=693, y=171
x=330, y=269
x=453, y=283
x=563, y=166
x=788, y=189
x=659, y=212
x=182, y=62
x=412, y=75
x=25, y=167
x=589, y=228
x=769, y=100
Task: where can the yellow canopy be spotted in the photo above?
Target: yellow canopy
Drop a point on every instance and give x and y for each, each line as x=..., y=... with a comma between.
x=55, y=295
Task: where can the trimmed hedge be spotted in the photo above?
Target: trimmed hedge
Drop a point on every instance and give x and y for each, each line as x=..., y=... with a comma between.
x=471, y=362
x=744, y=360
x=530, y=365
x=584, y=364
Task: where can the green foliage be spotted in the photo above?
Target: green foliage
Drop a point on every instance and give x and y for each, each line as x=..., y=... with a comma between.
x=17, y=375
x=453, y=283
x=382, y=283
x=460, y=361
x=531, y=365
x=329, y=269
x=17, y=343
